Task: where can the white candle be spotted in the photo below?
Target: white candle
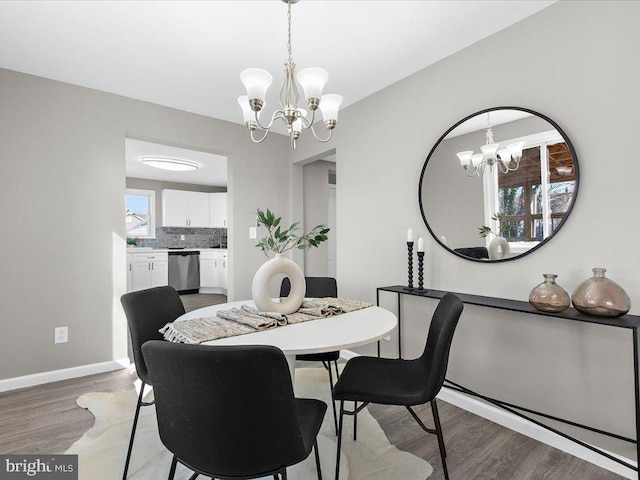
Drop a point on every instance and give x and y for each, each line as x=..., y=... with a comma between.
x=420, y=245
x=409, y=235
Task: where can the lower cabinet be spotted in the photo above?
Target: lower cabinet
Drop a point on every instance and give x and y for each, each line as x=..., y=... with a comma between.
x=222, y=272
x=129, y=272
x=148, y=270
x=213, y=272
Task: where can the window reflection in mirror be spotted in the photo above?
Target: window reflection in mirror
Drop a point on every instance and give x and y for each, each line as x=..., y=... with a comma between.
x=531, y=201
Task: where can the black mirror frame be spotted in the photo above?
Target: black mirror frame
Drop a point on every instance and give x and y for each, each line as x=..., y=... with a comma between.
x=576, y=165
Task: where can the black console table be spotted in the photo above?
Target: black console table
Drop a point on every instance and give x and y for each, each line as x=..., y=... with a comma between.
x=630, y=322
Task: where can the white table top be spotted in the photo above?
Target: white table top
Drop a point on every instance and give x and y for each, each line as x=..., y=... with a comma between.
x=315, y=336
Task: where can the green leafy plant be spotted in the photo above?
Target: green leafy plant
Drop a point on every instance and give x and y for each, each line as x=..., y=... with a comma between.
x=132, y=241
x=503, y=227
x=279, y=240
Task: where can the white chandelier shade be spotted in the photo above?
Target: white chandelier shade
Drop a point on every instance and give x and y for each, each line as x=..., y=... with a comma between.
x=248, y=114
x=329, y=106
x=311, y=80
x=256, y=81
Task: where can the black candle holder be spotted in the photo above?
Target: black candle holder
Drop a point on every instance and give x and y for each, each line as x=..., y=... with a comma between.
x=410, y=264
x=420, y=269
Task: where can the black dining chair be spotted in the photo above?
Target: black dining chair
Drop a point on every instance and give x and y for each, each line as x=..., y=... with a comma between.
x=473, y=252
x=229, y=412
x=319, y=287
x=147, y=311
x=403, y=382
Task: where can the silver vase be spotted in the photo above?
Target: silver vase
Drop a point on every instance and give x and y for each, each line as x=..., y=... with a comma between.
x=600, y=296
x=549, y=296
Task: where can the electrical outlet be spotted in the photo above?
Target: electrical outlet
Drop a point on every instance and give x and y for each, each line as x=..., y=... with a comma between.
x=387, y=338
x=61, y=335
x=181, y=237
x=253, y=233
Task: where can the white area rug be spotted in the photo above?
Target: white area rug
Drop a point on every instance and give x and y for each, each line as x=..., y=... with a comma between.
x=102, y=450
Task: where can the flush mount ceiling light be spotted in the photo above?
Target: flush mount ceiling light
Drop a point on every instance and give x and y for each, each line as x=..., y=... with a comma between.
x=166, y=163
x=312, y=81
x=474, y=164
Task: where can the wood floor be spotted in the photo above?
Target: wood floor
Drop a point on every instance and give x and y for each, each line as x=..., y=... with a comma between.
x=198, y=300
x=45, y=420
x=481, y=450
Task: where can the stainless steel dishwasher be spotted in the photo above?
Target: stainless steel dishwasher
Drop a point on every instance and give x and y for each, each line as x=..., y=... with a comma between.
x=184, y=271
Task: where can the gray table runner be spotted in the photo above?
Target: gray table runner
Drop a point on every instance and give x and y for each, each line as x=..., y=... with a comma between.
x=246, y=319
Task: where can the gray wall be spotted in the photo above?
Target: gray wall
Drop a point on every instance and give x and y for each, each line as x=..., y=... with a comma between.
x=316, y=212
x=452, y=201
x=573, y=62
x=62, y=183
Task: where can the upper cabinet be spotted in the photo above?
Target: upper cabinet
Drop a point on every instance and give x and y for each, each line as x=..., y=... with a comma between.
x=218, y=210
x=185, y=209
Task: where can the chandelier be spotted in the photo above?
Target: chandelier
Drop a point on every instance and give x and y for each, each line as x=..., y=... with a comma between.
x=312, y=81
x=507, y=159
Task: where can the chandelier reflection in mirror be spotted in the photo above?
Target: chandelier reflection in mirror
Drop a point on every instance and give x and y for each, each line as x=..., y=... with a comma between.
x=507, y=159
x=312, y=81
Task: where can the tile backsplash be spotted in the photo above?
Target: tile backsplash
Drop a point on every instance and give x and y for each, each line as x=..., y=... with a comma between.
x=193, y=237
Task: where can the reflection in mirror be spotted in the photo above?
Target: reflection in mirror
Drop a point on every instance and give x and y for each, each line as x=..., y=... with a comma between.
x=498, y=184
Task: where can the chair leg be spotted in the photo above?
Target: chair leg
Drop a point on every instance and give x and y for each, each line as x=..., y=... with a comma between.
x=335, y=363
x=133, y=431
x=283, y=475
x=339, y=439
x=355, y=421
x=318, y=469
x=172, y=471
x=333, y=404
x=443, y=452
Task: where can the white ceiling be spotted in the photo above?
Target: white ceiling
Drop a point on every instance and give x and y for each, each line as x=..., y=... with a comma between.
x=212, y=168
x=188, y=54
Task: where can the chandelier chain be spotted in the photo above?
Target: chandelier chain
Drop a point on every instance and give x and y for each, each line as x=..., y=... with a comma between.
x=290, y=59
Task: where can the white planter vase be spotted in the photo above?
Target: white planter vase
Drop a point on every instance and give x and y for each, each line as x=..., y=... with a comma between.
x=499, y=248
x=262, y=278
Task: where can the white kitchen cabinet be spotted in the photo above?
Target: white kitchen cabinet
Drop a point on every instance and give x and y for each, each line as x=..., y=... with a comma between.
x=159, y=276
x=149, y=270
x=213, y=271
x=199, y=209
x=208, y=272
x=181, y=208
x=222, y=271
x=218, y=210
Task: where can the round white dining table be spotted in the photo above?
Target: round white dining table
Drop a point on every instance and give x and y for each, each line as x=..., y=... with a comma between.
x=328, y=334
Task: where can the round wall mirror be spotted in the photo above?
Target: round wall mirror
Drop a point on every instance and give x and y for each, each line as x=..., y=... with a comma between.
x=498, y=184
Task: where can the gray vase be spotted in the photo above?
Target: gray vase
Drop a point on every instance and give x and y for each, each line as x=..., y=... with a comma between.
x=600, y=296
x=549, y=296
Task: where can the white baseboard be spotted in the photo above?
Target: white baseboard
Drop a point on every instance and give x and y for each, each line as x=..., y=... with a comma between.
x=520, y=425
x=218, y=290
x=63, y=374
